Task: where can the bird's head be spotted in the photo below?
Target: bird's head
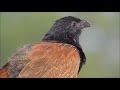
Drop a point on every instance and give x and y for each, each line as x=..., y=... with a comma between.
x=66, y=30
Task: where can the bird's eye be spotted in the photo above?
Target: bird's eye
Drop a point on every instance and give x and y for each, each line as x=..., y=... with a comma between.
x=73, y=23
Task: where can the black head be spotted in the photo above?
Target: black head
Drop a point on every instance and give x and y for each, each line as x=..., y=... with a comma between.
x=66, y=30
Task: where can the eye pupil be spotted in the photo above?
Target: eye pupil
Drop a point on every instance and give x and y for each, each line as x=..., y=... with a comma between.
x=73, y=23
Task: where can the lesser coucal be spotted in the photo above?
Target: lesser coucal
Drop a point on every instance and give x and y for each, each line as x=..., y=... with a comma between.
x=58, y=55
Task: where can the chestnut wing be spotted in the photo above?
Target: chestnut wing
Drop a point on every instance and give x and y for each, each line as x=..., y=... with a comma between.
x=52, y=60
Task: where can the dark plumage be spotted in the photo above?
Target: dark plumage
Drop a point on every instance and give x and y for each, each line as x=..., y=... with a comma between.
x=58, y=55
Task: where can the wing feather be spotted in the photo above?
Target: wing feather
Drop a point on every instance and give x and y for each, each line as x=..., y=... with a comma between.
x=4, y=71
x=51, y=60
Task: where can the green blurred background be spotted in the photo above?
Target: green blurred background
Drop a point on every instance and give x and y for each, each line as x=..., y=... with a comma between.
x=100, y=42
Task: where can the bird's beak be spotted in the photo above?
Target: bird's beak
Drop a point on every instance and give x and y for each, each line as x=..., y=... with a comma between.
x=84, y=24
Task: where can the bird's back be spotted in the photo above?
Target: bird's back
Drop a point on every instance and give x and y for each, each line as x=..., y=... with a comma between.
x=45, y=60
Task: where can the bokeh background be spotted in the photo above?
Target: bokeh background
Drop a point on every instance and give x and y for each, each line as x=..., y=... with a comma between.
x=100, y=42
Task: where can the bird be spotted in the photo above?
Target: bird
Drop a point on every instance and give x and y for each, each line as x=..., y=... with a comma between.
x=58, y=55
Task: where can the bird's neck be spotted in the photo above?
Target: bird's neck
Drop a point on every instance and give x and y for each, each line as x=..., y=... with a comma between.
x=62, y=38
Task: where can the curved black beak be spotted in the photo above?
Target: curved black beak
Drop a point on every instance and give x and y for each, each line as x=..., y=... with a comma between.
x=84, y=24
